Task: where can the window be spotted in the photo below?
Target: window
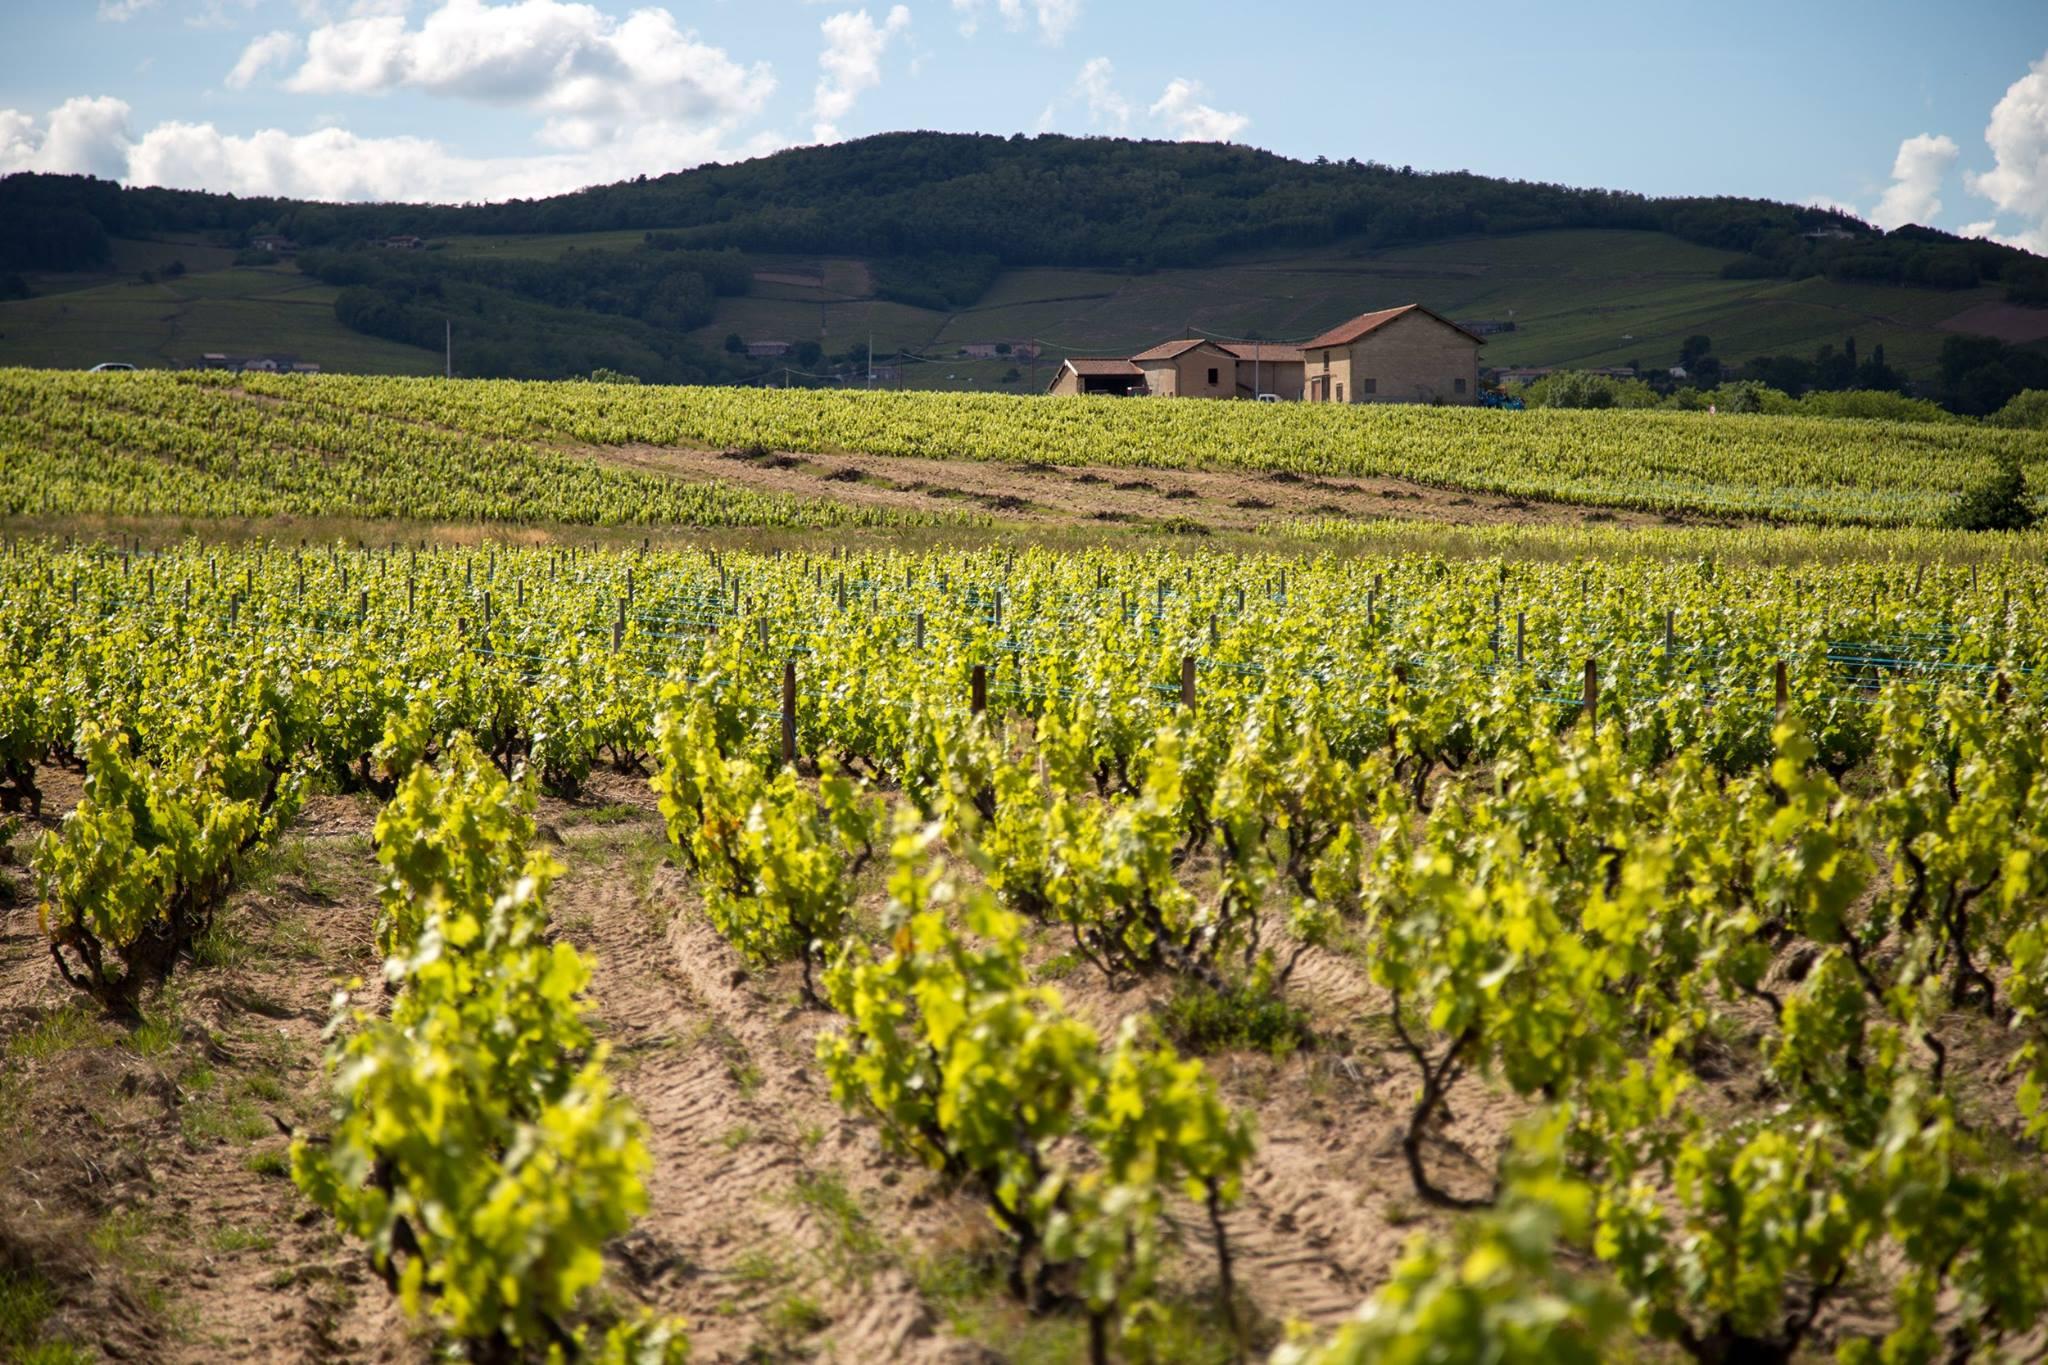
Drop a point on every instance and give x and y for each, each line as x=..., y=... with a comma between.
x=1212, y=377
x=1368, y=386
x=1457, y=386
x=1340, y=393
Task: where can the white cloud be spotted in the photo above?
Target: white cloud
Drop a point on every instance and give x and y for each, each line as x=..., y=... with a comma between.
x=91, y=135
x=1190, y=120
x=850, y=64
x=1055, y=18
x=597, y=79
x=121, y=11
x=272, y=49
x=87, y=135
x=2018, y=137
x=1106, y=107
x=1914, y=196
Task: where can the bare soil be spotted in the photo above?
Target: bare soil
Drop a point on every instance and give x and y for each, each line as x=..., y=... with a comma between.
x=141, y=1170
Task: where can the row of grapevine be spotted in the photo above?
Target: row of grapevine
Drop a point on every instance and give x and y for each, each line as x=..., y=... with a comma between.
x=476, y=1144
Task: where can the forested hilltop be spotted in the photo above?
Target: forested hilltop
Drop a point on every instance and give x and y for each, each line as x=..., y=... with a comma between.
x=1045, y=200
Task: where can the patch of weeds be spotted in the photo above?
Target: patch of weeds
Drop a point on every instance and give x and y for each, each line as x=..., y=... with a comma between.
x=156, y=1035
x=1184, y=526
x=612, y=813
x=117, y=1234
x=229, y=1240
x=221, y=947
x=746, y=1076
x=1059, y=966
x=736, y=1137
x=262, y=1086
x=26, y=1300
x=236, y=1121
x=857, y=1250
x=292, y=937
x=274, y=1162
x=811, y=1135
x=61, y=1030
x=758, y=1267
x=794, y=1315
x=968, y=1288
x=1201, y=1019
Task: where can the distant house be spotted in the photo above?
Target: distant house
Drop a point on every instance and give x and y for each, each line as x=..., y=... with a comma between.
x=271, y=242
x=1189, y=368
x=401, y=243
x=997, y=350
x=767, y=350
x=1081, y=375
x=1396, y=355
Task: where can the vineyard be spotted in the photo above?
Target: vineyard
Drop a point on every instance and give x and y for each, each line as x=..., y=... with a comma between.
x=213, y=446
x=620, y=954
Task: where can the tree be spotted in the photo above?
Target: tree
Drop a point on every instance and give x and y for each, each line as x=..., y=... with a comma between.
x=808, y=353
x=1997, y=503
x=734, y=344
x=1695, y=346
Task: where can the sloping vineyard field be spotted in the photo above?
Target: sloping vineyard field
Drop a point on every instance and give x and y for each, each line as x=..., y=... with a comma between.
x=1105, y=954
x=217, y=446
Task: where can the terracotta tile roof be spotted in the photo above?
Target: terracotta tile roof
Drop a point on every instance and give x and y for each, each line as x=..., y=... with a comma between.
x=1169, y=350
x=1101, y=365
x=1346, y=333
x=1266, y=352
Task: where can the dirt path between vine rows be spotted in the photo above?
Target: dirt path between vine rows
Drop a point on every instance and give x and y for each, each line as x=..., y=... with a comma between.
x=1041, y=495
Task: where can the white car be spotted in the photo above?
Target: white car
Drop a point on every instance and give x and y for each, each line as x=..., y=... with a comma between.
x=1269, y=398
x=110, y=365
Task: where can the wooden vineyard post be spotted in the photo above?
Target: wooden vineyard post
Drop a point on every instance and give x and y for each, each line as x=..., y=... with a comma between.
x=842, y=591
x=1215, y=638
x=1670, y=635
x=920, y=630
x=1781, y=687
x=1187, y=681
x=362, y=608
x=789, y=710
x=619, y=626
x=762, y=624
x=977, y=689
x=1592, y=692
x=1521, y=633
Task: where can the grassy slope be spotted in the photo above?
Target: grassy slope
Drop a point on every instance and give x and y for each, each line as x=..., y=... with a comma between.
x=1579, y=298
x=239, y=311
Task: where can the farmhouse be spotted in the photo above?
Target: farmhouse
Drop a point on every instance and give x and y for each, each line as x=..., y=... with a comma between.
x=1397, y=355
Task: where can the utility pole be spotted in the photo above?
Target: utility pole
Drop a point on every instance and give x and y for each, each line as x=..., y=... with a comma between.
x=871, y=360
x=448, y=348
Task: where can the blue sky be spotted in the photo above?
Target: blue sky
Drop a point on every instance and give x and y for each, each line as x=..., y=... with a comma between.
x=1900, y=112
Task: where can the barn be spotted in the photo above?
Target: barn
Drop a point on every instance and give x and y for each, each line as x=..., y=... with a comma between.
x=1111, y=375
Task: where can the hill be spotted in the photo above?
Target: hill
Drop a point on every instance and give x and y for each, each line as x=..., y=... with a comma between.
x=930, y=242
